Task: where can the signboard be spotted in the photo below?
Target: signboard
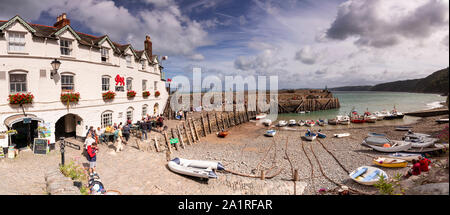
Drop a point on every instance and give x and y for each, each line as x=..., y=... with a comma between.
x=26, y=120
x=40, y=146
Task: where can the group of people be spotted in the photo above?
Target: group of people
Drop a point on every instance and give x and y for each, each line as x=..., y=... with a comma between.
x=419, y=166
x=121, y=135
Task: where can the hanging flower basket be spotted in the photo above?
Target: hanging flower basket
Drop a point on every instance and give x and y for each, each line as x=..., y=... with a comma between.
x=108, y=95
x=157, y=93
x=145, y=94
x=131, y=94
x=21, y=98
x=70, y=97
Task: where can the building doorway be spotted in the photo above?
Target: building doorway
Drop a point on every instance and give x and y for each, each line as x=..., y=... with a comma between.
x=69, y=125
x=26, y=132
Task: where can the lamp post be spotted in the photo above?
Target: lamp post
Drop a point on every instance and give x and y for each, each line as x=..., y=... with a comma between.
x=61, y=144
x=55, y=65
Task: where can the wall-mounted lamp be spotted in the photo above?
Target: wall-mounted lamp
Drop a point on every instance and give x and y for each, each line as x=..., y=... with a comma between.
x=55, y=65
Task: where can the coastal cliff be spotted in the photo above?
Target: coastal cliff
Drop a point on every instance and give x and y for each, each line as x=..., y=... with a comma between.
x=434, y=83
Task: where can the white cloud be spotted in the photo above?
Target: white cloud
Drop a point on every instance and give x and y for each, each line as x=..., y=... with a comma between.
x=172, y=33
x=383, y=23
x=307, y=55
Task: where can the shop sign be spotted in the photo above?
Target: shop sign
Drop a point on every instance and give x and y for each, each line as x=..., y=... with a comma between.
x=26, y=120
x=120, y=80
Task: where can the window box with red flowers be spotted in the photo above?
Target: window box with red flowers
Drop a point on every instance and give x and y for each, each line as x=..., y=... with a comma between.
x=157, y=93
x=131, y=94
x=145, y=94
x=108, y=95
x=70, y=97
x=21, y=98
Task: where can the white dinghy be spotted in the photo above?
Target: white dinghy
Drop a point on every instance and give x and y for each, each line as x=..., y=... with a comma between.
x=367, y=175
x=196, y=168
x=398, y=146
x=341, y=135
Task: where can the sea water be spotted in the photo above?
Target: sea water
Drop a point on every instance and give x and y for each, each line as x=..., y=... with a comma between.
x=374, y=101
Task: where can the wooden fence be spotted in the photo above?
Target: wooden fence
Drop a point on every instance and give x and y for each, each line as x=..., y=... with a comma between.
x=193, y=128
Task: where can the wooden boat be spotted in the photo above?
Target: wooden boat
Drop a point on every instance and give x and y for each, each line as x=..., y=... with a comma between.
x=222, y=134
x=341, y=135
x=390, y=162
x=310, y=135
x=421, y=142
x=301, y=123
x=398, y=146
x=357, y=120
x=370, y=119
x=367, y=175
x=292, y=122
x=321, y=135
x=376, y=141
x=320, y=122
x=434, y=148
x=377, y=134
x=413, y=135
x=196, y=168
x=267, y=122
x=270, y=133
x=260, y=116
x=404, y=156
x=403, y=128
x=332, y=121
x=310, y=123
x=282, y=123
x=442, y=121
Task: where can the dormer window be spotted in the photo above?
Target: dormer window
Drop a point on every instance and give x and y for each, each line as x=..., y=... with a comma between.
x=143, y=63
x=128, y=59
x=66, y=47
x=16, y=41
x=105, y=54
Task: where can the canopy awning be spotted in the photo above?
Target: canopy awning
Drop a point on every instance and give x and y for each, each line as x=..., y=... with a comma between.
x=11, y=120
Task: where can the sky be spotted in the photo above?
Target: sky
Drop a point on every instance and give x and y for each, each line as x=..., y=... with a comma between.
x=306, y=43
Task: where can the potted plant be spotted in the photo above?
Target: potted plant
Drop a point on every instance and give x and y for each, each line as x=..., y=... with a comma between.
x=131, y=93
x=21, y=98
x=70, y=97
x=145, y=94
x=108, y=95
x=157, y=93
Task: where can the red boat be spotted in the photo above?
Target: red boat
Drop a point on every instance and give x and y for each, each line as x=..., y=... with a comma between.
x=358, y=121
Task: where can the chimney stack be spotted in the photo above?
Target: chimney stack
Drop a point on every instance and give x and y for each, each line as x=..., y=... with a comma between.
x=61, y=21
x=148, y=46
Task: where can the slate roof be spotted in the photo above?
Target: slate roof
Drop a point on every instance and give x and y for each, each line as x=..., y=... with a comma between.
x=85, y=39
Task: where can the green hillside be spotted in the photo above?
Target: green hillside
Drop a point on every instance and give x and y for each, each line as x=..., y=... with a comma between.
x=434, y=83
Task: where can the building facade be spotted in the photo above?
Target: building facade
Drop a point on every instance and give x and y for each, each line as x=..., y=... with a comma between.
x=89, y=66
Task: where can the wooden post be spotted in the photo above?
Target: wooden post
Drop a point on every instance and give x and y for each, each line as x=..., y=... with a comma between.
x=209, y=123
x=181, y=137
x=168, y=155
x=156, y=145
x=223, y=121
x=203, y=125
x=186, y=132
x=217, y=122
x=195, y=129
x=263, y=175
x=296, y=175
x=192, y=131
x=167, y=142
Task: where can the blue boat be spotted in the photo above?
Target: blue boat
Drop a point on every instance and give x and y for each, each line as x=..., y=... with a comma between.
x=310, y=135
x=321, y=135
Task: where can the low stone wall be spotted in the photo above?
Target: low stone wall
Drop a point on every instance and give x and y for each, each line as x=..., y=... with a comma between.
x=58, y=184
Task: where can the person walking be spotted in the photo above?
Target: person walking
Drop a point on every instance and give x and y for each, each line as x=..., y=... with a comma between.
x=92, y=157
x=144, y=129
x=119, y=139
x=126, y=132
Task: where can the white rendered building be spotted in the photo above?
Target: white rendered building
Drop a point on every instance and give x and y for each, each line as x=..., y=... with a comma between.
x=89, y=65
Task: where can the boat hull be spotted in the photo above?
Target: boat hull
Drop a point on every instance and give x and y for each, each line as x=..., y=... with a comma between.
x=403, y=146
x=370, y=170
x=390, y=162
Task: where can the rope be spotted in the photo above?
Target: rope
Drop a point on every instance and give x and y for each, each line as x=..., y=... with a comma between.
x=332, y=155
x=332, y=181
